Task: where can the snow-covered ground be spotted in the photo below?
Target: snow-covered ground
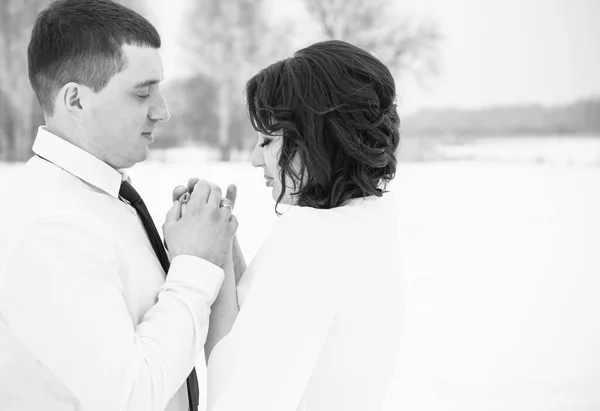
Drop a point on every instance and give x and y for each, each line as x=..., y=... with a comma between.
x=503, y=270
x=502, y=263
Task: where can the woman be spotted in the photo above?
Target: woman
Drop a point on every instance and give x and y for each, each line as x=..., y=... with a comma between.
x=321, y=305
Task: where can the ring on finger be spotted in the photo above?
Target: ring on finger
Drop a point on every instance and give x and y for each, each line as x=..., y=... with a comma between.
x=184, y=198
x=225, y=202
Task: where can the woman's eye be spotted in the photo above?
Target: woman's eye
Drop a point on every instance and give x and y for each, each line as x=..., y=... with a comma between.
x=264, y=143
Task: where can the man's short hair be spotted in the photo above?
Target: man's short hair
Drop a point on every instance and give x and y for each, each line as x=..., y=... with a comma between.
x=81, y=41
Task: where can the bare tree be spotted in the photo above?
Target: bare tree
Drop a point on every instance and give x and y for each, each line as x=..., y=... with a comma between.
x=406, y=45
x=225, y=36
x=20, y=114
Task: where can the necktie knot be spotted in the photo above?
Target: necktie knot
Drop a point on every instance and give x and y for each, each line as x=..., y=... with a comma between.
x=129, y=193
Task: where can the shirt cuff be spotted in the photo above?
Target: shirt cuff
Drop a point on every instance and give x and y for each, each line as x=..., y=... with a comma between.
x=197, y=273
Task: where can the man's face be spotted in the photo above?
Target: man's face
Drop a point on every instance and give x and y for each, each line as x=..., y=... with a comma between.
x=120, y=119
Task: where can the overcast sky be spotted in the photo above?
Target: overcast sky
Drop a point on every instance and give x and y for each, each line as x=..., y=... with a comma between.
x=493, y=52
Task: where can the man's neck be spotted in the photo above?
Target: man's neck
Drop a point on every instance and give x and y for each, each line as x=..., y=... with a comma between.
x=59, y=132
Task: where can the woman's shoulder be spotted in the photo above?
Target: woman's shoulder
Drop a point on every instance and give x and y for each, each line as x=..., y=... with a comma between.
x=341, y=230
x=367, y=210
x=329, y=243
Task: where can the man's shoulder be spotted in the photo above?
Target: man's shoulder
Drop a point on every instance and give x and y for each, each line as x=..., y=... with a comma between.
x=49, y=186
x=39, y=193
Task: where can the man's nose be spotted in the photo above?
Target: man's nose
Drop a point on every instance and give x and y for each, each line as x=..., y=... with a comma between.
x=159, y=110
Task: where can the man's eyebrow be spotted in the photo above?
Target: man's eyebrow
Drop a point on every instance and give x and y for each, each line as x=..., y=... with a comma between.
x=146, y=83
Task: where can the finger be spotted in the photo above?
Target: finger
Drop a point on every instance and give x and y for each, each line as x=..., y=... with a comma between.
x=174, y=214
x=199, y=197
x=178, y=192
x=191, y=184
x=225, y=213
x=233, y=223
x=215, y=196
x=184, y=198
x=231, y=194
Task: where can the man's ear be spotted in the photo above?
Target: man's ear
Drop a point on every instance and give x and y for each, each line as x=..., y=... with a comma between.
x=72, y=99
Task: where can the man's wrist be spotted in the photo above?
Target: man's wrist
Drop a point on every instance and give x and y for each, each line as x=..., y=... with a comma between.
x=197, y=273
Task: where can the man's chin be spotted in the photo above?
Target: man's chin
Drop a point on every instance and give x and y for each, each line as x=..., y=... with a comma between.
x=143, y=156
x=130, y=161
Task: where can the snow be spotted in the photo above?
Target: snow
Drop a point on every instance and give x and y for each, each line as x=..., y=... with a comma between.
x=501, y=263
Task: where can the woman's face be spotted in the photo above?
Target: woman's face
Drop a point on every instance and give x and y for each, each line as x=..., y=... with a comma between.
x=265, y=155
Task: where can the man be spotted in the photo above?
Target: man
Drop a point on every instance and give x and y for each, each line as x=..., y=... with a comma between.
x=88, y=320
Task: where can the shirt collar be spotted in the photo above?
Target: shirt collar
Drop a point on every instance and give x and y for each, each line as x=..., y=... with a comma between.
x=78, y=162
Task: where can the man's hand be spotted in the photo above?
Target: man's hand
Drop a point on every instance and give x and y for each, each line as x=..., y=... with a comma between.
x=239, y=261
x=205, y=230
x=179, y=191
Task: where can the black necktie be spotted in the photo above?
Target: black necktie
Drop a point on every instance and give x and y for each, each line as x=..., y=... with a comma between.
x=128, y=193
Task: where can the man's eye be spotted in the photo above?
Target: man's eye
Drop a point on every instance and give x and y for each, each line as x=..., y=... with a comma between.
x=143, y=96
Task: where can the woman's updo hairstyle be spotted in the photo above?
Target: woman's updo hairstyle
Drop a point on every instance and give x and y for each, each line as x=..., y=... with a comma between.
x=334, y=104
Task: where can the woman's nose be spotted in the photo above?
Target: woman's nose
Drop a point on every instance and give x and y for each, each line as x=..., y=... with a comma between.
x=257, y=157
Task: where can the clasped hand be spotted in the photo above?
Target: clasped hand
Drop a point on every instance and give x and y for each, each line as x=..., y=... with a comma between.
x=204, y=229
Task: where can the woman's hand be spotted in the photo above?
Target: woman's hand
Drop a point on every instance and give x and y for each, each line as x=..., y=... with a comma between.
x=206, y=230
x=182, y=193
x=225, y=308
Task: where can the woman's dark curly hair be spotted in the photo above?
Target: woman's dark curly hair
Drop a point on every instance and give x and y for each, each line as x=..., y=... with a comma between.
x=334, y=104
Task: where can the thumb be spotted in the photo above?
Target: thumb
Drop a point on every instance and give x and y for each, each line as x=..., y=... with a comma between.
x=178, y=192
x=174, y=214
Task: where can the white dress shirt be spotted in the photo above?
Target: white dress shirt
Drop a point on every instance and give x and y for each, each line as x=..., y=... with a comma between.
x=87, y=319
x=321, y=315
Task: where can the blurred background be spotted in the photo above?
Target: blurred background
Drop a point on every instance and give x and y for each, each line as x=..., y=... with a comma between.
x=498, y=186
